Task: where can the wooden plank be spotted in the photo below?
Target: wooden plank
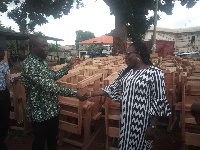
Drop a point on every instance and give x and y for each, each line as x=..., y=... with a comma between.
x=97, y=116
x=190, y=120
x=113, y=148
x=192, y=139
x=68, y=113
x=74, y=102
x=113, y=132
x=73, y=142
x=70, y=127
x=89, y=80
x=114, y=117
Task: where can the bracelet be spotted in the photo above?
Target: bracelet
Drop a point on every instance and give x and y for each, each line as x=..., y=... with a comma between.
x=90, y=94
x=153, y=126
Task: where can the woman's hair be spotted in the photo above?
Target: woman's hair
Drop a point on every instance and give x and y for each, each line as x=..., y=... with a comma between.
x=143, y=51
x=2, y=53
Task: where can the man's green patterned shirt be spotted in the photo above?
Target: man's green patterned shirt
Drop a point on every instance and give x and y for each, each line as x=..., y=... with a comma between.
x=41, y=90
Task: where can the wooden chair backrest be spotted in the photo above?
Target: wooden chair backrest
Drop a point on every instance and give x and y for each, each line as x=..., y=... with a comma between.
x=187, y=120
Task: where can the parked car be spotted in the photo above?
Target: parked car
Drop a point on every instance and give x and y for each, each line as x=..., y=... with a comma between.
x=191, y=54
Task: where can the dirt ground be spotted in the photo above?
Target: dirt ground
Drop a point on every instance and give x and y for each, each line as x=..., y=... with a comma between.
x=163, y=140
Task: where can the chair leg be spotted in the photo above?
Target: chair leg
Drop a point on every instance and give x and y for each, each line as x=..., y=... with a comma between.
x=183, y=146
x=107, y=142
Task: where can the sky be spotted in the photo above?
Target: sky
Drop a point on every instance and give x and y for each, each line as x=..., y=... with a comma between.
x=95, y=17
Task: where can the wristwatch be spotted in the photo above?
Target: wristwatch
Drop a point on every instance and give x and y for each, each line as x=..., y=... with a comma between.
x=153, y=126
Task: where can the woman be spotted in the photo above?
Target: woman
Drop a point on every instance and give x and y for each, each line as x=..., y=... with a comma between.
x=4, y=99
x=142, y=99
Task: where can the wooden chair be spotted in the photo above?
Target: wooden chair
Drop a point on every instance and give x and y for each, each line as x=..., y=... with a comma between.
x=79, y=121
x=75, y=119
x=112, y=117
x=171, y=88
x=190, y=131
x=19, y=98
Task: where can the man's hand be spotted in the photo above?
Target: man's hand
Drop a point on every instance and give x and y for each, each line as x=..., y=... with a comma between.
x=81, y=95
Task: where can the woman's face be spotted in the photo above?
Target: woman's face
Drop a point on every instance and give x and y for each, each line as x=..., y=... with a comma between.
x=131, y=56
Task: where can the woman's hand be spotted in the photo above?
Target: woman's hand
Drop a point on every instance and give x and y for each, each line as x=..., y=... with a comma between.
x=150, y=133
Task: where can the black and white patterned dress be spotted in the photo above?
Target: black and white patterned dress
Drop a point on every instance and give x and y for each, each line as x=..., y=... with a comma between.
x=142, y=97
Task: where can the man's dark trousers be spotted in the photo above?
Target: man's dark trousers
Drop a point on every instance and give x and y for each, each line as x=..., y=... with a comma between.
x=45, y=131
x=4, y=114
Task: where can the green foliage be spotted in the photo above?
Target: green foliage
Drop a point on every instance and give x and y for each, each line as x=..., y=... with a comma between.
x=93, y=46
x=82, y=36
x=39, y=33
x=111, y=33
x=52, y=47
x=23, y=45
x=134, y=13
x=29, y=13
x=11, y=45
x=7, y=29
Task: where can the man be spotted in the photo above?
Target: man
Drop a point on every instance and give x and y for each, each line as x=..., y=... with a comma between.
x=4, y=99
x=42, y=93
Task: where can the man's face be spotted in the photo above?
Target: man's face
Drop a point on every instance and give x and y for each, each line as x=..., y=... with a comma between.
x=41, y=48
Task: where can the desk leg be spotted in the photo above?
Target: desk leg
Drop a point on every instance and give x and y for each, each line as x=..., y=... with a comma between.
x=87, y=133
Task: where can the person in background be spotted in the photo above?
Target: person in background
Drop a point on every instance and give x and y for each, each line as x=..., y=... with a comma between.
x=5, y=83
x=140, y=90
x=42, y=93
x=195, y=111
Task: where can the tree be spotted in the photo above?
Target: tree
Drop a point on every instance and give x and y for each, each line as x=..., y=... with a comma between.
x=53, y=47
x=29, y=13
x=111, y=33
x=82, y=36
x=93, y=46
x=131, y=17
x=134, y=13
x=15, y=45
x=3, y=28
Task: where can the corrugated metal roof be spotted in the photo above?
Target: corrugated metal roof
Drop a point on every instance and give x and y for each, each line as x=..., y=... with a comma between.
x=102, y=39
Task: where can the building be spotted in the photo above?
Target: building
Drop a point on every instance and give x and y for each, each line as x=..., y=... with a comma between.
x=186, y=39
x=102, y=40
x=67, y=47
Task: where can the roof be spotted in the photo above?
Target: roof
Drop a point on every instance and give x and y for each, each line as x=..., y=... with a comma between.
x=178, y=30
x=102, y=39
x=14, y=35
x=20, y=36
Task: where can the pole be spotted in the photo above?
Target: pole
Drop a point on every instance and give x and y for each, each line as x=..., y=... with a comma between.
x=155, y=25
x=57, y=52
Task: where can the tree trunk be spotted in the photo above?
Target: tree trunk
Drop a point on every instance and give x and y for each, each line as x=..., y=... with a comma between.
x=120, y=36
